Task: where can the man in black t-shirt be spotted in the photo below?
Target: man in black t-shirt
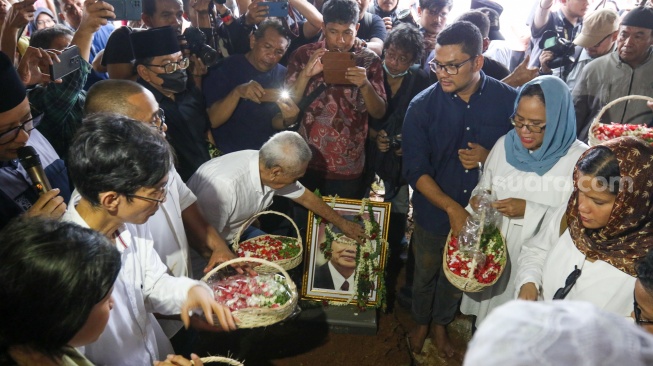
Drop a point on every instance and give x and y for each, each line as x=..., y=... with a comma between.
x=371, y=28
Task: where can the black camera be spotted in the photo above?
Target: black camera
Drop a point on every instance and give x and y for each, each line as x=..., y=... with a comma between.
x=563, y=50
x=395, y=142
x=196, y=43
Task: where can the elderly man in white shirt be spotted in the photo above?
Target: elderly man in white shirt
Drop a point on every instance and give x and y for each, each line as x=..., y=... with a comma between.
x=236, y=186
x=121, y=173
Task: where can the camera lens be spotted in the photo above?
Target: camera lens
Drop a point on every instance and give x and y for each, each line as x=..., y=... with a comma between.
x=208, y=55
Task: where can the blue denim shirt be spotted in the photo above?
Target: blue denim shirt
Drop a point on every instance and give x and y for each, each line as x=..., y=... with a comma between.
x=437, y=125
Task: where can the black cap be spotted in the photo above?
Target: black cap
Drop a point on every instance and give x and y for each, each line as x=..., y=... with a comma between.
x=154, y=42
x=12, y=89
x=639, y=17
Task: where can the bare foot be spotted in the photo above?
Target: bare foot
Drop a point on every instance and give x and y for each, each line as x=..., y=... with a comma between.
x=442, y=342
x=416, y=338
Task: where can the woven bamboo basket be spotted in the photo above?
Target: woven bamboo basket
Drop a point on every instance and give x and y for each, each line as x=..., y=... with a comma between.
x=469, y=283
x=260, y=317
x=288, y=263
x=223, y=360
x=592, y=140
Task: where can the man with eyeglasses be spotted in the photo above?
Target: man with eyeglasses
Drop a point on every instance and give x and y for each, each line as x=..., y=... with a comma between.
x=161, y=69
x=597, y=38
x=118, y=56
x=463, y=114
x=72, y=14
x=179, y=222
x=17, y=123
x=118, y=201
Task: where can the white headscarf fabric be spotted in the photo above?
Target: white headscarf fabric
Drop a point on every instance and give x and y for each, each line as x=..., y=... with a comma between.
x=558, y=333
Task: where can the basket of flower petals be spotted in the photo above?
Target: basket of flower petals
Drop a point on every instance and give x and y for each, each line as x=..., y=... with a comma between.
x=282, y=250
x=220, y=359
x=601, y=132
x=476, y=258
x=258, y=300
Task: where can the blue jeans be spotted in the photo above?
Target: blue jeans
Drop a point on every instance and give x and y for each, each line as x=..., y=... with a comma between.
x=251, y=232
x=434, y=297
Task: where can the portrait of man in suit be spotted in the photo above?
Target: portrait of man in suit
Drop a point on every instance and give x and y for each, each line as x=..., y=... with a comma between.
x=338, y=272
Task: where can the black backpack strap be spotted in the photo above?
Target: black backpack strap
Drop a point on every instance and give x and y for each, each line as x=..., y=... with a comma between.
x=305, y=102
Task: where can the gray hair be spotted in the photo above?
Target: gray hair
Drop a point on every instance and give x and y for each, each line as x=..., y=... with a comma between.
x=287, y=150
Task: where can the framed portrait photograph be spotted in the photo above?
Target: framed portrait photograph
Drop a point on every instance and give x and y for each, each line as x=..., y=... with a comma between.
x=336, y=267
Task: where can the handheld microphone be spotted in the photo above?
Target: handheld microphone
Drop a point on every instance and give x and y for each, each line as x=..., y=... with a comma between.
x=31, y=162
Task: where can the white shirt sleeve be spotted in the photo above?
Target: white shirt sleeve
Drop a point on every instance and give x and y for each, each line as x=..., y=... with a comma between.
x=535, y=250
x=162, y=292
x=186, y=196
x=217, y=201
x=292, y=191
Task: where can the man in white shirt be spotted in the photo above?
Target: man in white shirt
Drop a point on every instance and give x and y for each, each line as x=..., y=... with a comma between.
x=180, y=214
x=234, y=187
x=121, y=173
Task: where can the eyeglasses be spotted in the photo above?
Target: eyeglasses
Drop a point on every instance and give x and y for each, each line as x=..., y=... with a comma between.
x=27, y=126
x=569, y=283
x=171, y=67
x=638, y=313
x=163, y=192
x=400, y=59
x=601, y=41
x=158, y=120
x=531, y=128
x=449, y=69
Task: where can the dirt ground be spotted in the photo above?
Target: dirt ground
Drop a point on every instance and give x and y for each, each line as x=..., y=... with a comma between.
x=298, y=342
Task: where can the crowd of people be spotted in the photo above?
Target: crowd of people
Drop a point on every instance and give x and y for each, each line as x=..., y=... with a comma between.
x=157, y=148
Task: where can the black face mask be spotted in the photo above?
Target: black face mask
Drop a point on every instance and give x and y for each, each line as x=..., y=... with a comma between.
x=175, y=82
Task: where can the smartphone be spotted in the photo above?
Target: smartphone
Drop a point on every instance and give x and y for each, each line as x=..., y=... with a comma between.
x=127, y=9
x=70, y=60
x=277, y=8
x=271, y=95
x=335, y=65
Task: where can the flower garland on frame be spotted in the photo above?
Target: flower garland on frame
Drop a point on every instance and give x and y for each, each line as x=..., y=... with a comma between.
x=368, y=257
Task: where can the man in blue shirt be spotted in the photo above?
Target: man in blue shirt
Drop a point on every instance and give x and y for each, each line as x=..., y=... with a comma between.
x=450, y=128
x=241, y=113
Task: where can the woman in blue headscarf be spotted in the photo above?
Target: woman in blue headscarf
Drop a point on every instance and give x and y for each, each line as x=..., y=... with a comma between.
x=530, y=172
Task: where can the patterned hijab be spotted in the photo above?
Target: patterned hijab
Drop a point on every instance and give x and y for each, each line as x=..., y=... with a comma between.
x=628, y=235
x=559, y=134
